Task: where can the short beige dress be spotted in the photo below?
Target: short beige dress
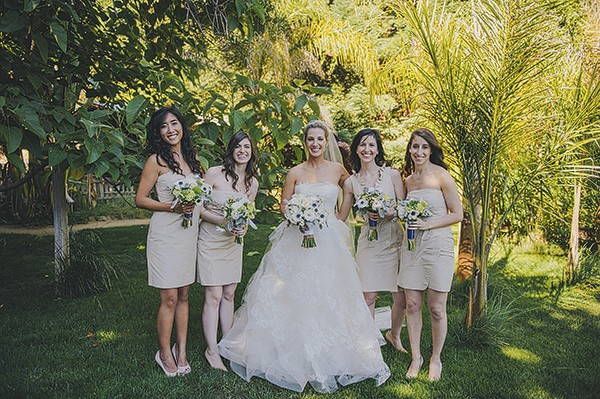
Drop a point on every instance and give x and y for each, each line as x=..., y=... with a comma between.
x=170, y=246
x=378, y=260
x=431, y=264
x=219, y=260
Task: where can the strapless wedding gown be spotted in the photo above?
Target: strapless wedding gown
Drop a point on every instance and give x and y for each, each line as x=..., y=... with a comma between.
x=303, y=317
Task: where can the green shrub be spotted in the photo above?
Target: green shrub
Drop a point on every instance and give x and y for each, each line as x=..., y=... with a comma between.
x=490, y=331
x=85, y=271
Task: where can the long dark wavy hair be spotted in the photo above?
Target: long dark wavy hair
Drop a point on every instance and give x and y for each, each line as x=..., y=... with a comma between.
x=436, y=157
x=355, y=159
x=229, y=161
x=159, y=147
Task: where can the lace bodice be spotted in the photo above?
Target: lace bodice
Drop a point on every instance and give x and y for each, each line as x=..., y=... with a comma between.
x=328, y=191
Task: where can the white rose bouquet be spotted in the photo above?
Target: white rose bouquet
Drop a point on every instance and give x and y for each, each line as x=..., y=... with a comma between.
x=306, y=212
x=190, y=190
x=240, y=212
x=408, y=211
x=372, y=200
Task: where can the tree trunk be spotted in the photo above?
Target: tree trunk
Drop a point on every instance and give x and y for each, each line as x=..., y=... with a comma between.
x=465, y=261
x=61, y=229
x=478, y=291
x=597, y=223
x=574, y=242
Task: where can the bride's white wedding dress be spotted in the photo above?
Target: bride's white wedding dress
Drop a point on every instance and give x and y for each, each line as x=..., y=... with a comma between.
x=303, y=317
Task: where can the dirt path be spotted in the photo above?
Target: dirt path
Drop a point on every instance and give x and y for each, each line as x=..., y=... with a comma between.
x=49, y=230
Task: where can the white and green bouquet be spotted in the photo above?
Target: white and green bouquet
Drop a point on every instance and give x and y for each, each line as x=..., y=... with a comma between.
x=306, y=212
x=240, y=212
x=372, y=200
x=408, y=211
x=190, y=190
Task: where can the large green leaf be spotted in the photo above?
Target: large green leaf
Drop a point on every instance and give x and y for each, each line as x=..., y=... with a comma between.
x=315, y=107
x=301, y=101
x=17, y=161
x=296, y=125
x=95, y=149
x=42, y=46
x=11, y=22
x=15, y=135
x=30, y=5
x=56, y=155
x=31, y=120
x=115, y=135
x=135, y=107
x=60, y=35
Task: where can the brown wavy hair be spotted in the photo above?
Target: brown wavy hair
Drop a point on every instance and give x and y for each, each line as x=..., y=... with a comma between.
x=436, y=157
x=158, y=146
x=229, y=161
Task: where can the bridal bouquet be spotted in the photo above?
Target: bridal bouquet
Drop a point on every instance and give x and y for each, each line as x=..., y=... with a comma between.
x=372, y=200
x=306, y=212
x=240, y=212
x=408, y=211
x=190, y=190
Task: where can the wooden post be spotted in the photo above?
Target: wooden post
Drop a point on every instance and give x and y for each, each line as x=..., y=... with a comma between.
x=61, y=228
x=574, y=242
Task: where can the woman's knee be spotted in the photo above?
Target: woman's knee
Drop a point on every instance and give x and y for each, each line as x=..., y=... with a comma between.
x=413, y=305
x=213, y=297
x=437, y=311
x=168, y=299
x=370, y=298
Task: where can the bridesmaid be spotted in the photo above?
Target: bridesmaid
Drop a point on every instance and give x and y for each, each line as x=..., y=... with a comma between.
x=170, y=247
x=377, y=260
x=429, y=268
x=219, y=257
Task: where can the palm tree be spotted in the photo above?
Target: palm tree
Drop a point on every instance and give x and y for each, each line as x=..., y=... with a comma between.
x=482, y=75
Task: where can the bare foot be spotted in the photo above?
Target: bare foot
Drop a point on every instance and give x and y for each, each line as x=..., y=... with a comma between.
x=214, y=360
x=435, y=371
x=414, y=368
x=396, y=343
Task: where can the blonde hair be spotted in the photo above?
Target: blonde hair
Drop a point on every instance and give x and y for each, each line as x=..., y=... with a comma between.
x=316, y=124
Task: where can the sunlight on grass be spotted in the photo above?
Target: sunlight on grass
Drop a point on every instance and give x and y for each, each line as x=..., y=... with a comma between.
x=141, y=247
x=106, y=336
x=522, y=355
x=577, y=299
x=403, y=390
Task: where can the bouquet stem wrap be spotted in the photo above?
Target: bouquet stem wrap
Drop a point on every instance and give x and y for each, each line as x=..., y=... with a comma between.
x=187, y=220
x=372, y=236
x=237, y=240
x=308, y=237
x=410, y=238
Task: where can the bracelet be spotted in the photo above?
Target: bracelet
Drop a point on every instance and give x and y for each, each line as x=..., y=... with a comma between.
x=200, y=216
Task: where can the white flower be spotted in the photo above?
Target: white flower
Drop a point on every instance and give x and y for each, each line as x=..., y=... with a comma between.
x=310, y=215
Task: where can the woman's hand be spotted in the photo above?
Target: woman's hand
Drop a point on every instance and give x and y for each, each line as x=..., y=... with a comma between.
x=239, y=232
x=186, y=209
x=374, y=216
x=419, y=224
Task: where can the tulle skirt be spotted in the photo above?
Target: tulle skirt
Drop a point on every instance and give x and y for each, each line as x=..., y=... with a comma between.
x=304, y=318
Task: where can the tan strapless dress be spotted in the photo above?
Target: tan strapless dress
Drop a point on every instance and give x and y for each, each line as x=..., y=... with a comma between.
x=378, y=260
x=219, y=260
x=431, y=264
x=170, y=248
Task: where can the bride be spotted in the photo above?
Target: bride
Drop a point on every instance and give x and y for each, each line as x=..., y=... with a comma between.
x=303, y=318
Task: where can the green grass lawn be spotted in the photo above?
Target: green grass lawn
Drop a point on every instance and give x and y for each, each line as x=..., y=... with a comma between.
x=104, y=345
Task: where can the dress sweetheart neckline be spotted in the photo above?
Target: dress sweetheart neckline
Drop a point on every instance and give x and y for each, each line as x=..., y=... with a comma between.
x=315, y=183
x=173, y=173
x=423, y=189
